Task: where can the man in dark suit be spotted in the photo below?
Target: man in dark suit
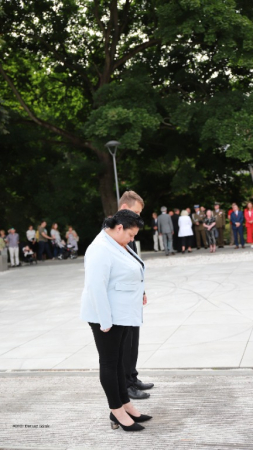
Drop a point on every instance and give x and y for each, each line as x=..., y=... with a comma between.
x=237, y=219
x=157, y=239
x=175, y=238
x=135, y=387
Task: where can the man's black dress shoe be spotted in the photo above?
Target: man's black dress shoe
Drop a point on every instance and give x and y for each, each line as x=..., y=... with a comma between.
x=136, y=394
x=143, y=386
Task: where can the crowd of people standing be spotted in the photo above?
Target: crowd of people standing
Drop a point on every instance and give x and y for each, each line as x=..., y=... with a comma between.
x=174, y=231
x=39, y=244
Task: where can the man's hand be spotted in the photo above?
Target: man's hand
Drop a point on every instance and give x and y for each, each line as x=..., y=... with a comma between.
x=106, y=330
x=145, y=300
x=197, y=223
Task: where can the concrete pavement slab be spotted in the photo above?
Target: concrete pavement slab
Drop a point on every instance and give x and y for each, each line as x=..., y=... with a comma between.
x=190, y=334
x=68, y=411
x=210, y=355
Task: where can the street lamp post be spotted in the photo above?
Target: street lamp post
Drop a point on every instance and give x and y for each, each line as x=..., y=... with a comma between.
x=112, y=146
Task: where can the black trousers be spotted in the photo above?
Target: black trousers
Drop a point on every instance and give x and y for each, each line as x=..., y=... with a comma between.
x=176, y=242
x=186, y=241
x=110, y=348
x=44, y=248
x=130, y=355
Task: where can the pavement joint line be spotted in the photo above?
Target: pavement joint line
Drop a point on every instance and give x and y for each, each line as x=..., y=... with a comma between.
x=245, y=371
x=247, y=343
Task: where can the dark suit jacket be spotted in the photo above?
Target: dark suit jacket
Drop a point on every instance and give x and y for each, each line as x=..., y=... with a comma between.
x=234, y=218
x=175, y=219
x=132, y=245
x=154, y=223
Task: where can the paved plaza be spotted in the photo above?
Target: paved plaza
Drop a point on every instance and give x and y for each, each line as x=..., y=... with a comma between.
x=199, y=314
x=196, y=346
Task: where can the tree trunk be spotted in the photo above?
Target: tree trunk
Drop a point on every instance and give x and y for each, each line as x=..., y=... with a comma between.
x=106, y=185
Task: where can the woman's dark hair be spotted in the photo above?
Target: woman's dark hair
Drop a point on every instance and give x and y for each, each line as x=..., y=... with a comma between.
x=124, y=217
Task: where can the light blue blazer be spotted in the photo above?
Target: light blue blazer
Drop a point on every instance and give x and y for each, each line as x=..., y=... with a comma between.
x=114, y=284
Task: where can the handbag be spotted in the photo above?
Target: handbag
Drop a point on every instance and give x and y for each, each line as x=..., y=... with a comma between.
x=216, y=234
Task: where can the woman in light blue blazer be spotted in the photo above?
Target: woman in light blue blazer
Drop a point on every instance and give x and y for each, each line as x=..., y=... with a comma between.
x=112, y=300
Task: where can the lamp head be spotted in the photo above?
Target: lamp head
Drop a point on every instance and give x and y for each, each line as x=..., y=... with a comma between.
x=112, y=146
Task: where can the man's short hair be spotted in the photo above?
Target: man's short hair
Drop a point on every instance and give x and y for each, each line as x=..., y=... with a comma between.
x=129, y=198
x=163, y=209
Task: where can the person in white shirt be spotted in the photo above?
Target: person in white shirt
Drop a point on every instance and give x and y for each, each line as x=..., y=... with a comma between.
x=12, y=240
x=31, y=238
x=185, y=231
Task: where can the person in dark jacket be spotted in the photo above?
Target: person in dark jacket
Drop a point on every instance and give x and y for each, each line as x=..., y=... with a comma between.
x=237, y=219
x=135, y=387
x=175, y=238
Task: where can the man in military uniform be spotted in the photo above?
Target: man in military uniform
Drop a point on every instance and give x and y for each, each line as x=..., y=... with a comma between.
x=220, y=220
x=198, y=219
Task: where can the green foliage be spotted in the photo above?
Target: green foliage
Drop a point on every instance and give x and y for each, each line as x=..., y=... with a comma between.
x=170, y=79
x=4, y=117
x=40, y=179
x=214, y=23
x=129, y=124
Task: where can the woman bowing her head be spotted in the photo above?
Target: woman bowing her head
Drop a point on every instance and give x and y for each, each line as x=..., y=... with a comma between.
x=112, y=301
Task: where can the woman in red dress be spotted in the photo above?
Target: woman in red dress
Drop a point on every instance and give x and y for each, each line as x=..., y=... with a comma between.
x=248, y=214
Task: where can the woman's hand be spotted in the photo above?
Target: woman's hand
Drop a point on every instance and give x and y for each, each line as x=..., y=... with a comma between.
x=145, y=300
x=106, y=330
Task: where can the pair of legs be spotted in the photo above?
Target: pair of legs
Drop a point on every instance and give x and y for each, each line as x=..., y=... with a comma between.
x=200, y=234
x=232, y=240
x=167, y=242
x=238, y=230
x=14, y=256
x=250, y=233
x=43, y=247
x=158, y=239
x=176, y=242
x=110, y=348
x=57, y=251
x=186, y=243
x=211, y=239
x=130, y=355
x=220, y=238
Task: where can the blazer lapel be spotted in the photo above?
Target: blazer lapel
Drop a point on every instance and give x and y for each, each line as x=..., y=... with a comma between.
x=124, y=251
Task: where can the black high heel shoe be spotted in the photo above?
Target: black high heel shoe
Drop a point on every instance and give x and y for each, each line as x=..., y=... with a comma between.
x=115, y=424
x=141, y=418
